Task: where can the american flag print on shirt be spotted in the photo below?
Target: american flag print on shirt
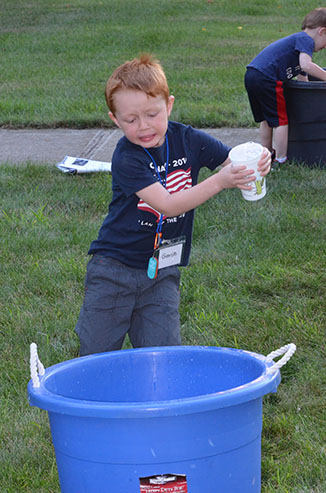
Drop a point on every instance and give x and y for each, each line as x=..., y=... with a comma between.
x=176, y=181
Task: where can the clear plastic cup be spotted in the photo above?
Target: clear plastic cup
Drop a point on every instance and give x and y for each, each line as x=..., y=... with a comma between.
x=248, y=154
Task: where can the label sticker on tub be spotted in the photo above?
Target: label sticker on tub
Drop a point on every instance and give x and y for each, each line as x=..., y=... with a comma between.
x=166, y=483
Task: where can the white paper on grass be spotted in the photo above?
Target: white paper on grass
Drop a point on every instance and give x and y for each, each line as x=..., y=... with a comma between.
x=73, y=165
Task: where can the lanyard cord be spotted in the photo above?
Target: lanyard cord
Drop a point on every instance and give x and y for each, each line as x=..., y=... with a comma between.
x=159, y=226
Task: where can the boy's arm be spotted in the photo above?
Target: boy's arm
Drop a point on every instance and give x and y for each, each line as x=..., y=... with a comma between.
x=307, y=65
x=183, y=201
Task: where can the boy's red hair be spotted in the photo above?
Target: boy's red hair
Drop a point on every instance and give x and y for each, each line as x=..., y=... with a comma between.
x=142, y=74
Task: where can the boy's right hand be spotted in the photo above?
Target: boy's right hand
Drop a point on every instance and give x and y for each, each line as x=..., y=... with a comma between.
x=231, y=176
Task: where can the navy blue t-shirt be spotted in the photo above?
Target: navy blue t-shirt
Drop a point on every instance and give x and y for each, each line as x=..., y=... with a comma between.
x=280, y=60
x=128, y=231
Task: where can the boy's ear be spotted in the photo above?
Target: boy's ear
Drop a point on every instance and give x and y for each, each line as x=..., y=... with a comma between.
x=170, y=104
x=113, y=118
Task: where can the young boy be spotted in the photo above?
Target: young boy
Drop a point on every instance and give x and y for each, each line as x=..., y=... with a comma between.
x=132, y=280
x=282, y=60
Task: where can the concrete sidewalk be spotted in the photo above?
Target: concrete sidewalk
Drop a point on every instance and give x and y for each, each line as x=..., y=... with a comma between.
x=51, y=146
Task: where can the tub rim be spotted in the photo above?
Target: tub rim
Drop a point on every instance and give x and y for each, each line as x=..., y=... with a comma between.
x=254, y=389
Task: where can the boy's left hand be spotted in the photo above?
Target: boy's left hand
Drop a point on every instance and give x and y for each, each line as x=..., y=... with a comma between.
x=264, y=164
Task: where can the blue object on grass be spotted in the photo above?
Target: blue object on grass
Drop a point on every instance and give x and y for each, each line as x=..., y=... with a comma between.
x=189, y=410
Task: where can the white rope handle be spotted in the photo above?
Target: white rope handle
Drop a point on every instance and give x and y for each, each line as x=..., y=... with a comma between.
x=288, y=352
x=35, y=365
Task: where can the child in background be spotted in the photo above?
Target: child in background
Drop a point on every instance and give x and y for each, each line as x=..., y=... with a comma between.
x=282, y=60
x=132, y=279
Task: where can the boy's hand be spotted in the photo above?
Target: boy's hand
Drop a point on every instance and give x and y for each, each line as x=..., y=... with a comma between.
x=264, y=164
x=231, y=176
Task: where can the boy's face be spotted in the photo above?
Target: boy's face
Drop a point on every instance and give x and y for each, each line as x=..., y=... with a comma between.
x=143, y=119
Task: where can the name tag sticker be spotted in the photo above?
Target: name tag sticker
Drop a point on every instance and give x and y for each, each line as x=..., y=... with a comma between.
x=170, y=252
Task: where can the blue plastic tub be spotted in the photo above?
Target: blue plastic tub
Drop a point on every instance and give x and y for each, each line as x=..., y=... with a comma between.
x=120, y=416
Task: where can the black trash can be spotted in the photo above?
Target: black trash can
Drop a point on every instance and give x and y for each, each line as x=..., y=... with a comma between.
x=306, y=106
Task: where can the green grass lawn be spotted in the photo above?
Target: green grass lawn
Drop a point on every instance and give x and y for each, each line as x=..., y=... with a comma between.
x=257, y=277
x=256, y=281
x=56, y=55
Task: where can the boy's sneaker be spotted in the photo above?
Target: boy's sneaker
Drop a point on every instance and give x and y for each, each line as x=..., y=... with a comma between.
x=276, y=164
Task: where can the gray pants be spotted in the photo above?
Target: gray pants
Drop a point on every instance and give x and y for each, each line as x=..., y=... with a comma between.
x=120, y=300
